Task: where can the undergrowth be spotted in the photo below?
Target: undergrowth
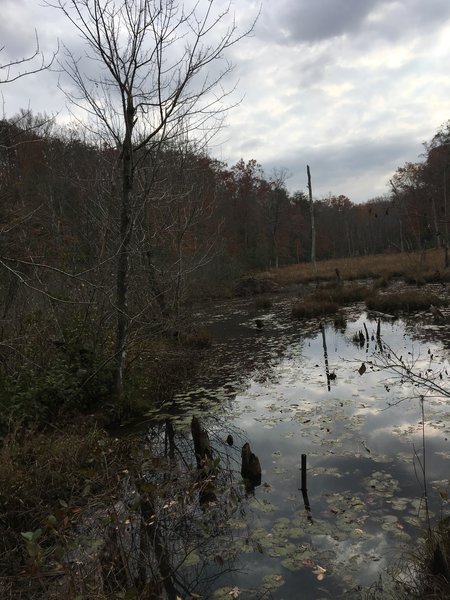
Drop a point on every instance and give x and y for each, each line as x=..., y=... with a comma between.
x=48, y=481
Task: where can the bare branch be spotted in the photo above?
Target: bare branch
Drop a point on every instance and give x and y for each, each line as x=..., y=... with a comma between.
x=12, y=70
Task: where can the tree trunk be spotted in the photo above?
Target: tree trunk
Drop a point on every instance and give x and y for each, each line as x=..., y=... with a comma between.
x=123, y=267
x=402, y=247
x=437, y=233
x=313, y=227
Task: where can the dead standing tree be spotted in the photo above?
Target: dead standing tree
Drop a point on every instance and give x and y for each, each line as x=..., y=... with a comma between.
x=155, y=87
x=313, y=227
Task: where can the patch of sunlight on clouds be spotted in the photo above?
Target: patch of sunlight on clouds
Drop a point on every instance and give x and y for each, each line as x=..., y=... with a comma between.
x=441, y=43
x=388, y=56
x=338, y=90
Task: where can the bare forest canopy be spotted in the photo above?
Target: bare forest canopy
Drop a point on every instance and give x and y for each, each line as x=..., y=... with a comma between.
x=60, y=208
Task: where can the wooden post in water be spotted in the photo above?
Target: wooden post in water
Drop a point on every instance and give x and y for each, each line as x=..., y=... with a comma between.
x=304, y=489
x=367, y=333
x=380, y=345
x=325, y=356
x=304, y=485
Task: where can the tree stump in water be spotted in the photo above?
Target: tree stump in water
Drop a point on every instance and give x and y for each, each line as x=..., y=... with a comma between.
x=203, y=455
x=202, y=445
x=250, y=468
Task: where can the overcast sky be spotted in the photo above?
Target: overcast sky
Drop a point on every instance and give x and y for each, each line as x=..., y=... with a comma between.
x=351, y=87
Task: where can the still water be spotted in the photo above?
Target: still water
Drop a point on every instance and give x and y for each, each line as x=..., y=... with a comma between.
x=292, y=388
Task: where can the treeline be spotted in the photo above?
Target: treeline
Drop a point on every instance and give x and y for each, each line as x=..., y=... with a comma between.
x=58, y=190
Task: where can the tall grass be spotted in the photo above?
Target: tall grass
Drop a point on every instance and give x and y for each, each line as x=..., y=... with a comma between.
x=416, y=267
x=407, y=301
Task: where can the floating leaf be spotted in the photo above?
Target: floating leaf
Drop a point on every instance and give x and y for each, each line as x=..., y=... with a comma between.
x=192, y=559
x=319, y=572
x=272, y=581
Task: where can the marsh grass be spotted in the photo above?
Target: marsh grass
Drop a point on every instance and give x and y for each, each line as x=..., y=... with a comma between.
x=412, y=266
x=341, y=294
x=307, y=308
x=433, y=563
x=328, y=298
x=403, y=301
x=263, y=303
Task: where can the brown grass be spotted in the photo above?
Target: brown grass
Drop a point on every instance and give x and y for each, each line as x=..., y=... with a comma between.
x=412, y=266
x=341, y=294
x=263, y=303
x=327, y=299
x=308, y=308
x=406, y=301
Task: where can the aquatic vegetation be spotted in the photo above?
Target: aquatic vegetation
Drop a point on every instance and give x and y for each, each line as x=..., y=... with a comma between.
x=341, y=294
x=405, y=301
x=413, y=266
x=309, y=307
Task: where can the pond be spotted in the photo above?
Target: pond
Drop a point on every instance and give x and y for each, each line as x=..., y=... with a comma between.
x=292, y=389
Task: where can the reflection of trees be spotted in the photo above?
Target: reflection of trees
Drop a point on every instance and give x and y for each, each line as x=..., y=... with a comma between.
x=240, y=351
x=192, y=484
x=189, y=489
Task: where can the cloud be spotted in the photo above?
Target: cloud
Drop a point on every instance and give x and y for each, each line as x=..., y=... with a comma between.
x=314, y=21
x=343, y=169
x=304, y=22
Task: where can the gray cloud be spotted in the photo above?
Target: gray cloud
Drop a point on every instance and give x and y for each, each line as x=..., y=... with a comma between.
x=348, y=169
x=305, y=21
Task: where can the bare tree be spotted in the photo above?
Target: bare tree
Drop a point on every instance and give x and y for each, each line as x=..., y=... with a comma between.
x=277, y=199
x=155, y=82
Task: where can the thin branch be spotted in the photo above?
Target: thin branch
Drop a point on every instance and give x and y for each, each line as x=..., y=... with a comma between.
x=9, y=66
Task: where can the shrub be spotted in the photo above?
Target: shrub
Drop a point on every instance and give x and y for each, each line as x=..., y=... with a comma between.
x=313, y=308
x=72, y=381
x=341, y=294
x=263, y=303
x=158, y=369
x=49, y=481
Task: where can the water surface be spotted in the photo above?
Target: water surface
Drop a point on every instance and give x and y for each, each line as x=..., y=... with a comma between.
x=360, y=429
